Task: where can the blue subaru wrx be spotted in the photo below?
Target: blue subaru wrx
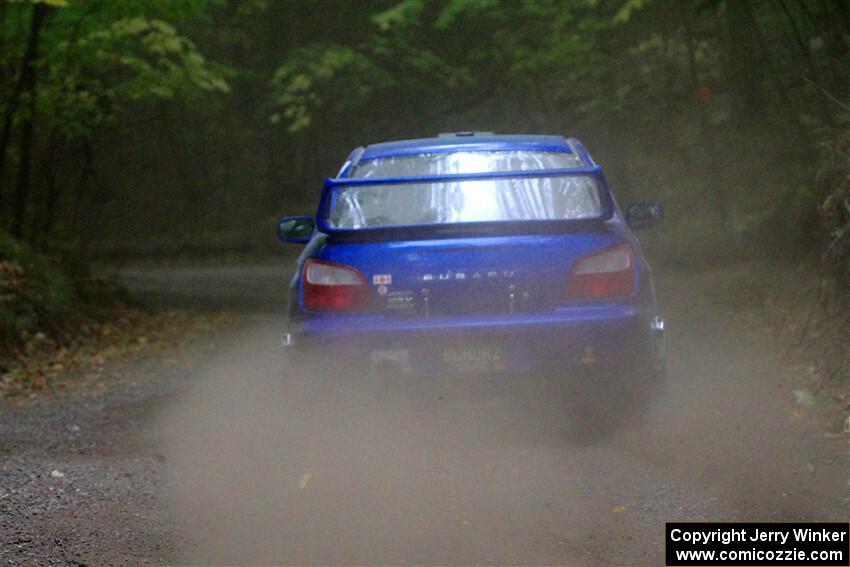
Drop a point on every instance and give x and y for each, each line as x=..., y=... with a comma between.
x=473, y=253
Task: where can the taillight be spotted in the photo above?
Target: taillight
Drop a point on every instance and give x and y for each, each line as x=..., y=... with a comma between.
x=333, y=287
x=605, y=275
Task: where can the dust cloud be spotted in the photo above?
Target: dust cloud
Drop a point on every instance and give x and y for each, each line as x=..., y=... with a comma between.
x=275, y=464
x=272, y=463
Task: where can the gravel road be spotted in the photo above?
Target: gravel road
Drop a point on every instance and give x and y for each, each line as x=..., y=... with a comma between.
x=219, y=453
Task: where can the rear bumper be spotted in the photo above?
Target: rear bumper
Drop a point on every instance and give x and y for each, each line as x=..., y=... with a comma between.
x=603, y=336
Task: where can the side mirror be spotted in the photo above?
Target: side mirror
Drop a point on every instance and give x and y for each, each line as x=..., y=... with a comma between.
x=296, y=230
x=644, y=215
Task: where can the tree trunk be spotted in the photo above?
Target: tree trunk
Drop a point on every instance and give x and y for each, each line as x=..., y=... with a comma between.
x=41, y=232
x=87, y=174
x=806, y=53
x=744, y=70
x=706, y=133
x=175, y=142
x=27, y=83
x=843, y=13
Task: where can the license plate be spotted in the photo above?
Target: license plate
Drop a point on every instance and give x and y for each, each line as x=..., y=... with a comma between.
x=474, y=358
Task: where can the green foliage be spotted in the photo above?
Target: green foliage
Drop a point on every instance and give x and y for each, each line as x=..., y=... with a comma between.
x=221, y=110
x=624, y=14
x=403, y=14
x=333, y=82
x=98, y=57
x=314, y=78
x=48, y=276
x=98, y=62
x=36, y=292
x=833, y=206
x=455, y=9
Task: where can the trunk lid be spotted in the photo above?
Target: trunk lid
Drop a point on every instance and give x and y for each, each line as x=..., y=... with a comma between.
x=469, y=275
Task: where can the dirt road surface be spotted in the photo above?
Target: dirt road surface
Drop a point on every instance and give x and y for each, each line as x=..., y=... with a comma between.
x=219, y=453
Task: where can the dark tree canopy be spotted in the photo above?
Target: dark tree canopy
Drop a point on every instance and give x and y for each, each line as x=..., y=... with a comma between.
x=186, y=126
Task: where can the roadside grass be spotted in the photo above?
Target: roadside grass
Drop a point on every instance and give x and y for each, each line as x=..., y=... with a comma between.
x=807, y=317
x=44, y=364
x=56, y=319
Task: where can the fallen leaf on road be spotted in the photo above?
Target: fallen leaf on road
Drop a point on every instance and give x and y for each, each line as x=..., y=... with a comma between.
x=305, y=480
x=618, y=509
x=804, y=398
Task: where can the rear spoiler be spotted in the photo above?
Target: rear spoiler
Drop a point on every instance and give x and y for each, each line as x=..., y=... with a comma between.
x=332, y=189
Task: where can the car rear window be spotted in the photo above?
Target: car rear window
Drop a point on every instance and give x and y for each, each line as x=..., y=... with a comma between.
x=570, y=197
x=452, y=163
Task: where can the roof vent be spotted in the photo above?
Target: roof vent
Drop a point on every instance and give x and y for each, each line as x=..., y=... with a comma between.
x=462, y=134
